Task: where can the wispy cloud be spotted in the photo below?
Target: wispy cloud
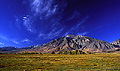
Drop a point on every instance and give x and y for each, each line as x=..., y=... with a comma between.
x=26, y=40
x=27, y=22
x=84, y=33
x=41, y=35
x=17, y=22
x=42, y=6
x=51, y=34
x=76, y=27
x=42, y=11
x=54, y=34
x=75, y=14
x=101, y=26
x=46, y=11
x=45, y=8
x=3, y=37
x=16, y=42
x=8, y=39
x=48, y=15
x=1, y=43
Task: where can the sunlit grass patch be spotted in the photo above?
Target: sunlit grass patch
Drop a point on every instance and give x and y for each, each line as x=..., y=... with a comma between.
x=56, y=62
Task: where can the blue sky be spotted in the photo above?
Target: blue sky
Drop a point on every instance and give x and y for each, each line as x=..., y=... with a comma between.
x=31, y=22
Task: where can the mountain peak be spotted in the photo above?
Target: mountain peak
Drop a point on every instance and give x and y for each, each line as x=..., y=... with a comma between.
x=72, y=36
x=76, y=42
x=73, y=42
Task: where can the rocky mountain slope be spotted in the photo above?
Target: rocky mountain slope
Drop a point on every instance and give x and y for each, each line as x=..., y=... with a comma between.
x=116, y=43
x=70, y=43
x=75, y=42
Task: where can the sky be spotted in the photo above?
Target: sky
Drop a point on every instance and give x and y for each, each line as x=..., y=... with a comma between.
x=32, y=22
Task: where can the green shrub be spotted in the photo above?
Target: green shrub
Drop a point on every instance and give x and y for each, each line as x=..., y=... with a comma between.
x=52, y=52
x=39, y=53
x=65, y=52
x=78, y=52
x=29, y=53
x=70, y=52
x=59, y=52
x=110, y=51
x=89, y=52
x=75, y=52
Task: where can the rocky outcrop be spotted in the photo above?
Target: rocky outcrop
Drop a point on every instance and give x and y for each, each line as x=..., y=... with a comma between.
x=116, y=43
x=76, y=42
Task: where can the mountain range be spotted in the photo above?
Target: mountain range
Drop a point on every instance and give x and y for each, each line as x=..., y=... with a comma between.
x=70, y=43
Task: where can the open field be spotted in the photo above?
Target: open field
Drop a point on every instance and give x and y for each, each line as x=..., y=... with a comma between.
x=55, y=62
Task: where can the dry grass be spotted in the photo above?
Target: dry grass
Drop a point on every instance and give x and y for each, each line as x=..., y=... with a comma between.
x=49, y=62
